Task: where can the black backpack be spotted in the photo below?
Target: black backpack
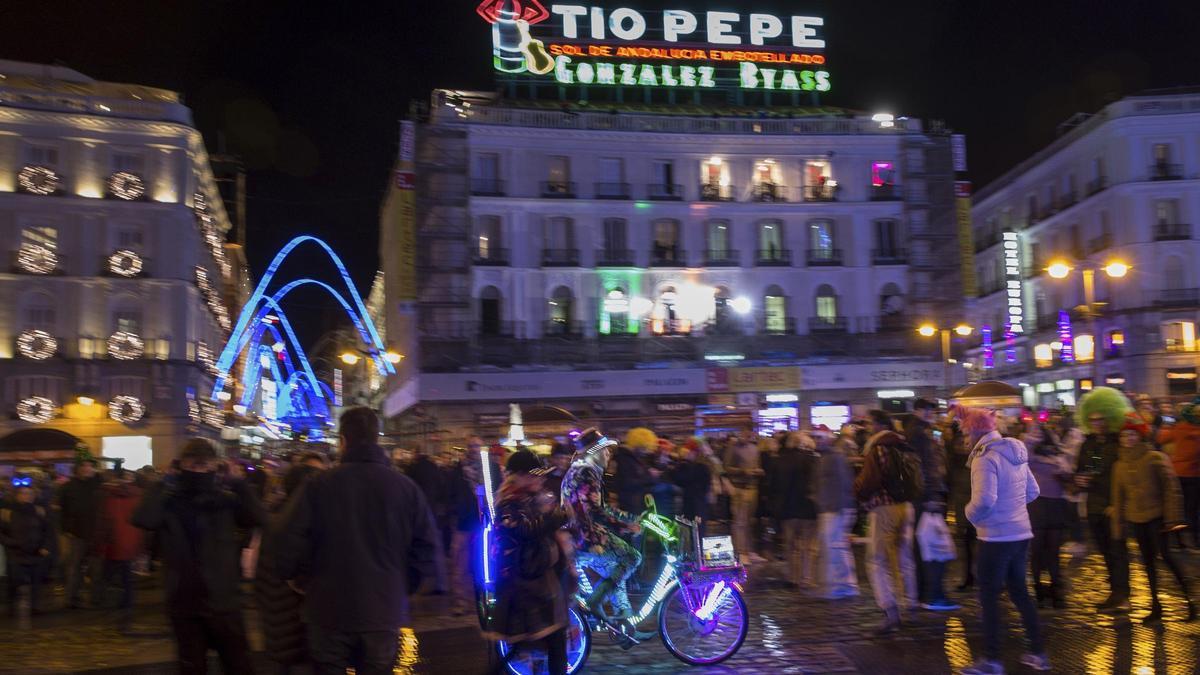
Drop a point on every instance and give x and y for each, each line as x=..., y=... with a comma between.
x=902, y=476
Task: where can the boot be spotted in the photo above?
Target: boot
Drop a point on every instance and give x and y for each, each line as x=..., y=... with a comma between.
x=595, y=601
x=1155, y=615
x=1040, y=594
x=1056, y=598
x=891, y=621
x=966, y=584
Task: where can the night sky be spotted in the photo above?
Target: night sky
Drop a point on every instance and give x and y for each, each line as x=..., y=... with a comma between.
x=310, y=95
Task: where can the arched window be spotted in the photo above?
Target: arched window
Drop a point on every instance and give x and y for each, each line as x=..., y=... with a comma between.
x=775, y=311
x=667, y=319
x=560, y=309
x=827, y=305
x=614, y=319
x=489, y=311
x=722, y=311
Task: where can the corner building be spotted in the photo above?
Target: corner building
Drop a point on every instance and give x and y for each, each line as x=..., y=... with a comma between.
x=694, y=268
x=111, y=295
x=1119, y=186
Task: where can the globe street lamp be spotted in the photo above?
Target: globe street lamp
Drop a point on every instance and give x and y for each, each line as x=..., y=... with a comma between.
x=929, y=330
x=1114, y=269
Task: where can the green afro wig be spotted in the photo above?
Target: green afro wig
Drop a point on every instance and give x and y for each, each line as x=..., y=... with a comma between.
x=1106, y=401
x=641, y=438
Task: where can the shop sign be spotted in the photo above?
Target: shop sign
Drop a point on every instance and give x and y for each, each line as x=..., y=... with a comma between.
x=491, y=419
x=783, y=378
x=674, y=408
x=676, y=48
x=559, y=384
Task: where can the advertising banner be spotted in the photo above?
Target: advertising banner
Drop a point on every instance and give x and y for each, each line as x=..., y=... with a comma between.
x=966, y=237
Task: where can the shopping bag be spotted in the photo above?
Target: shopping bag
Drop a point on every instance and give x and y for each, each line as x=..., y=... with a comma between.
x=934, y=538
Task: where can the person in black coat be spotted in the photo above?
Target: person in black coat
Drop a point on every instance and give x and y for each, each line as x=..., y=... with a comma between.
x=79, y=503
x=198, y=518
x=280, y=602
x=362, y=535
x=633, y=479
x=28, y=538
x=694, y=479
x=791, y=494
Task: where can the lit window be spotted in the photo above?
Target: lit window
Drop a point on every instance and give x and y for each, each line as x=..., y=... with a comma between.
x=1179, y=336
x=883, y=173
x=1085, y=348
x=1043, y=355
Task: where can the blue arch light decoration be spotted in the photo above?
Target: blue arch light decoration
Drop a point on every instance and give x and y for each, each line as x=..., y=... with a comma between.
x=299, y=394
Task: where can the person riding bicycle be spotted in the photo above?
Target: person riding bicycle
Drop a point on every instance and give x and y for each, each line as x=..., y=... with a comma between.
x=597, y=526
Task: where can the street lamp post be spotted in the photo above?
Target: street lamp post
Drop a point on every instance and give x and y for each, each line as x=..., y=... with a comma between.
x=1115, y=270
x=929, y=330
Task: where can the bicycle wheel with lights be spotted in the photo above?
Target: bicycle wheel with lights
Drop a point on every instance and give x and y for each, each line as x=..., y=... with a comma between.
x=531, y=660
x=705, y=623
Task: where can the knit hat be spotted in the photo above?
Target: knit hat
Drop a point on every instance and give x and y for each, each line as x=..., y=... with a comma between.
x=523, y=461
x=1134, y=422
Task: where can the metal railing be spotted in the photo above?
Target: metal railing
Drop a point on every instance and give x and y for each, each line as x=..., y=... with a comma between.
x=886, y=193
x=825, y=257
x=773, y=257
x=664, y=191
x=495, y=257
x=558, y=189
x=487, y=187
x=612, y=191
x=560, y=257
x=608, y=257
x=721, y=258
x=786, y=326
x=667, y=256
x=769, y=192
x=1172, y=231
x=554, y=328
x=1166, y=171
x=715, y=192
x=1177, y=297
x=503, y=329
x=832, y=324
x=820, y=193
x=889, y=256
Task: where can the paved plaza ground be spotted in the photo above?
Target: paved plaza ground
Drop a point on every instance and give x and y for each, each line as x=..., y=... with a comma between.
x=790, y=632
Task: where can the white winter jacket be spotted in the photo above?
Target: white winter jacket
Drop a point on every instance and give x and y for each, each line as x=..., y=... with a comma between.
x=1001, y=486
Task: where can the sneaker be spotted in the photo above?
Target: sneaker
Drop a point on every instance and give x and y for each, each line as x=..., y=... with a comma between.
x=940, y=606
x=1039, y=662
x=984, y=667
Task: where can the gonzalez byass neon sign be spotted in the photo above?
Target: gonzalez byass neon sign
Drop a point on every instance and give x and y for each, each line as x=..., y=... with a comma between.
x=586, y=36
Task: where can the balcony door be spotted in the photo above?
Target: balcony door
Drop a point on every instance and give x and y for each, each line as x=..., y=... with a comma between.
x=718, y=239
x=615, y=242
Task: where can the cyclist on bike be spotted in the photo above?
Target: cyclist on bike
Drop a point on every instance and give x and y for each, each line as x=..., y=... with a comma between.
x=596, y=525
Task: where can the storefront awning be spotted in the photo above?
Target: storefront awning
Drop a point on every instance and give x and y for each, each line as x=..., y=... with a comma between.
x=38, y=445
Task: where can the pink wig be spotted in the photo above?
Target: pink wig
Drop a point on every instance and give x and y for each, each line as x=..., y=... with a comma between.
x=975, y=421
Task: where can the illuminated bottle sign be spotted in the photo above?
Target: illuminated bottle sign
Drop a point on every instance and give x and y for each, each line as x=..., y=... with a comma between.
x=584, y=45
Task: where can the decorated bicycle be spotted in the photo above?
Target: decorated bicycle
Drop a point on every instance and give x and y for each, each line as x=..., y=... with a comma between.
x=696, y=598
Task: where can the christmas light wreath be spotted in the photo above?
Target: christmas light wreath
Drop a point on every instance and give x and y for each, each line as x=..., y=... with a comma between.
x=125, y=346
x=35, y=409
x=37, y=259
x=36, y=344
x=127, y=186
x=125, y=263
x=126, y=409
x=38, y=180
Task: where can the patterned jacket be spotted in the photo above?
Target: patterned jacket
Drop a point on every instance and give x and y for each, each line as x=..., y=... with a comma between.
x=592, y=519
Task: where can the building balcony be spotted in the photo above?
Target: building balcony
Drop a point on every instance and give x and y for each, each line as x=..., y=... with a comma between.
x=558, y=189
x=722, y=258
x=1172, y=231
x=493, y=257
x=607, y=257
x=728, y=326
x=830, y=324
x=1101, y=243
x=784, y=326
x=1097, y=184
x=670, y=327
x=664, y=192
x=825, y=257
x=1177, y=297
x=612, y=191
x=715, y=192
x=665, y=256
x=37, y=265
x=886, y=193
x=498, y=329
x=769, y=192
x=773, y=257
x=1166, y=171
x=487, y=187
x=889, y=256
x=820, y=193
x=565, y=329
x=560, y=257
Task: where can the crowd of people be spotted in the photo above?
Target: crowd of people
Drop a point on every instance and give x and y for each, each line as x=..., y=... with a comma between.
x=335, y=551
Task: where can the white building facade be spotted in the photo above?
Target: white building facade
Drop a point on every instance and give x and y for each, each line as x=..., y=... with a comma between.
x=1120, y=186
x=111, y=298
x=614, y=242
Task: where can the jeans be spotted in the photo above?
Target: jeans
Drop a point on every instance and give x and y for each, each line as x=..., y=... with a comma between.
x=1002, y=567
x=1153, y=544
x=839, y=574
x=1046, y=543
x=800, y=549
x=225, y=633
x=371, y=653
x=744, y=504
x=890, y=555
x=78, y=559
x=1115, y=552
x=1191, y=507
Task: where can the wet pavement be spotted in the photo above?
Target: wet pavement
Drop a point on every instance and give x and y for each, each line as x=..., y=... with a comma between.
x=790, y=632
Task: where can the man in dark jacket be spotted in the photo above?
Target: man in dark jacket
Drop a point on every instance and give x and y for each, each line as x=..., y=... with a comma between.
x=360, y=530
x=1094, y=474
x=79, y=500
x=197, y=519
x=633, y=479
x=918, y=431
x=28, y=539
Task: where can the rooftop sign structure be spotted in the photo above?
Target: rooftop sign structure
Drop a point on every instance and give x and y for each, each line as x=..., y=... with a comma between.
x=621, y=47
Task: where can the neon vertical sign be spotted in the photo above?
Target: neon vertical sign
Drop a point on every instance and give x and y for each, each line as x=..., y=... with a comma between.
x=1066, y=337
x=989, y=353
x=1014, y=288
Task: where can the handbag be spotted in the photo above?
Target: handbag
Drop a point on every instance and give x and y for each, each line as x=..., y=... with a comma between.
x=933, y=536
